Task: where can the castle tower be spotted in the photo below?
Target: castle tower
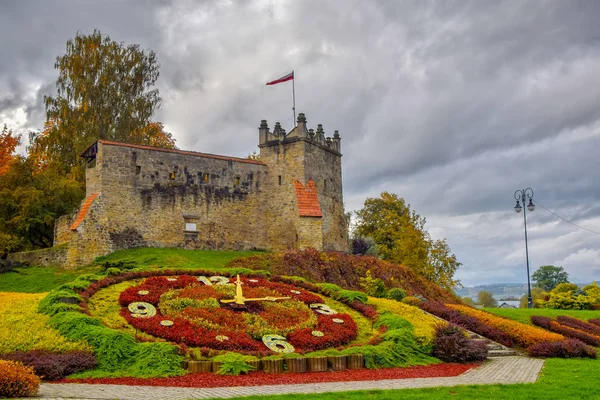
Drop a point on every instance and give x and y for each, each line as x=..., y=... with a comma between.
x=305, y=169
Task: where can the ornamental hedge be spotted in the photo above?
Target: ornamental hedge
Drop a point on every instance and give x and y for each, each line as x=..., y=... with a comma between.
x=17, y=380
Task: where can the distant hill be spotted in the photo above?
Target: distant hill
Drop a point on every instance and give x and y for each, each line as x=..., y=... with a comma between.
x=499, y=290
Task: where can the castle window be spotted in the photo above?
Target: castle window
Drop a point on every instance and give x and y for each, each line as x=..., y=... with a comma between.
x=206, y=177
x=279, y=180
x=138, y=169
x=190, y=223
x=172, y=176
x=237, y=181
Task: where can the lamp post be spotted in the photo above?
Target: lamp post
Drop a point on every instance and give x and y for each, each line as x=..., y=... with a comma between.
x=523, y=195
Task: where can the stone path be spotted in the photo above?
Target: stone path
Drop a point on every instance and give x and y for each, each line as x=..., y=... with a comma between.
x=504, y=370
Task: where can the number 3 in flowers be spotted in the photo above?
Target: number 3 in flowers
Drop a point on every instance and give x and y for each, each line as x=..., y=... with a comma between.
x=277, y=343
x=323, y=309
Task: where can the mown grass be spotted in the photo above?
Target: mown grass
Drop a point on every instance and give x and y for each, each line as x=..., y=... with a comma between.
x=177, y=258
x=44, y=279
x=524, y=314
x=36, y=279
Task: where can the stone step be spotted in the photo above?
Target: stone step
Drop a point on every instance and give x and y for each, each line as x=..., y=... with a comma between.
x=495, y=346
x=502, y=353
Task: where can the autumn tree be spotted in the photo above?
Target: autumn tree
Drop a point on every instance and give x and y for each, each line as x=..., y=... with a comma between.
x=548, y=277
x=104, y=91
x=486, y=299
x=30, y=200
x=8, y=144
x=401, y=238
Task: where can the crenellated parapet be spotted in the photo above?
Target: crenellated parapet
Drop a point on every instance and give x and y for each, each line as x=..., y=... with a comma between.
x=299, y=132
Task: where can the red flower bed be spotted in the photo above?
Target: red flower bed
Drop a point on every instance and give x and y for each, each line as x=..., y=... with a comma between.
x=579, y=324
x=192, y=326
x=595, y=321
x=553, y=326
x=207, y=380
x=335, y=334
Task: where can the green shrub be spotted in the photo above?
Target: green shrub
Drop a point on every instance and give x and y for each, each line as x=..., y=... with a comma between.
x=373, y=286
x=329, y=288
x=396, y=294
x=118, y=354
x=120, y=265
x=351, y=296
x=53, y=303
x=233, y=364
x=393, y=322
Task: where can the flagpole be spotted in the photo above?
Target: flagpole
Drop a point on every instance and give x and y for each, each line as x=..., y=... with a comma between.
x=294, y=96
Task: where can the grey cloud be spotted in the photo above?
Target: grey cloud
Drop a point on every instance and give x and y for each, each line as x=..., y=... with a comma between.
x=453, y=105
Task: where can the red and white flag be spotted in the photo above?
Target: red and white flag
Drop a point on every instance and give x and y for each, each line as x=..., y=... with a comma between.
x=285, y=78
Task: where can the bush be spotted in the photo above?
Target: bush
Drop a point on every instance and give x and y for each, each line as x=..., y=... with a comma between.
x=579, y=324
x=396, y=294
x=53, y=366
x=373, y=286
x=412, y=301
x=522, y=334
x=349, y=296
x=595, y=321
x=233, y=364
x=568, y=348
x=17, y=380
x=120, y=265
x=549, y=324
x=467, y=322
x=344, y=270
x=452, y=345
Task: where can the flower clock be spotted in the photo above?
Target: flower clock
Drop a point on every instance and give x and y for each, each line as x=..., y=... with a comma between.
x=242, y=314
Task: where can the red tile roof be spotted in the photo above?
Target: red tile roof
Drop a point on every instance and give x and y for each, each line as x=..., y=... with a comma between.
x=83, y=212
x=308, y=203
x=189, y=153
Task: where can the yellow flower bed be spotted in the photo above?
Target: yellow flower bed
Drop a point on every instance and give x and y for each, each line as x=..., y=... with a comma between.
x=23, y=328
x=423, y=323
x=527, y=335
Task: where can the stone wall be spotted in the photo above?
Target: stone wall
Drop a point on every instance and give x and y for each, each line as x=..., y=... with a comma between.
x=62, y=229
x=53, y=256
x=150, y=197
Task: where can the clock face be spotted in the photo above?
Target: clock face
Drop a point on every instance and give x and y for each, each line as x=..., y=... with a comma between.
x=239, y=314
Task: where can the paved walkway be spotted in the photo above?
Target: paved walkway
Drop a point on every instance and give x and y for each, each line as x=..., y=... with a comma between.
x=504, y=370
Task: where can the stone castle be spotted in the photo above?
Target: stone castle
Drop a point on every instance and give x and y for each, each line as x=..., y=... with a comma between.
x=141, y=196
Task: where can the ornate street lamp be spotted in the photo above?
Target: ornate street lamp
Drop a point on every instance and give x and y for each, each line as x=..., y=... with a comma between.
x=523, y=195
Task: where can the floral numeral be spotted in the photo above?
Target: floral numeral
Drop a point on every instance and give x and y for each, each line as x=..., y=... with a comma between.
x=140, y=309
x=277, y=344
x=217, y=280
x=323, y=309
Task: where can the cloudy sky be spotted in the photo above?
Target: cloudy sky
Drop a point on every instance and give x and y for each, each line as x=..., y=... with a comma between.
x=452, y=105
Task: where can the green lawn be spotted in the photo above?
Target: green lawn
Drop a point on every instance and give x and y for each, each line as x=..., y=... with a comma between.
x=44, y=279
x=35, y=279
x=523, y=314
x=177, y=258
